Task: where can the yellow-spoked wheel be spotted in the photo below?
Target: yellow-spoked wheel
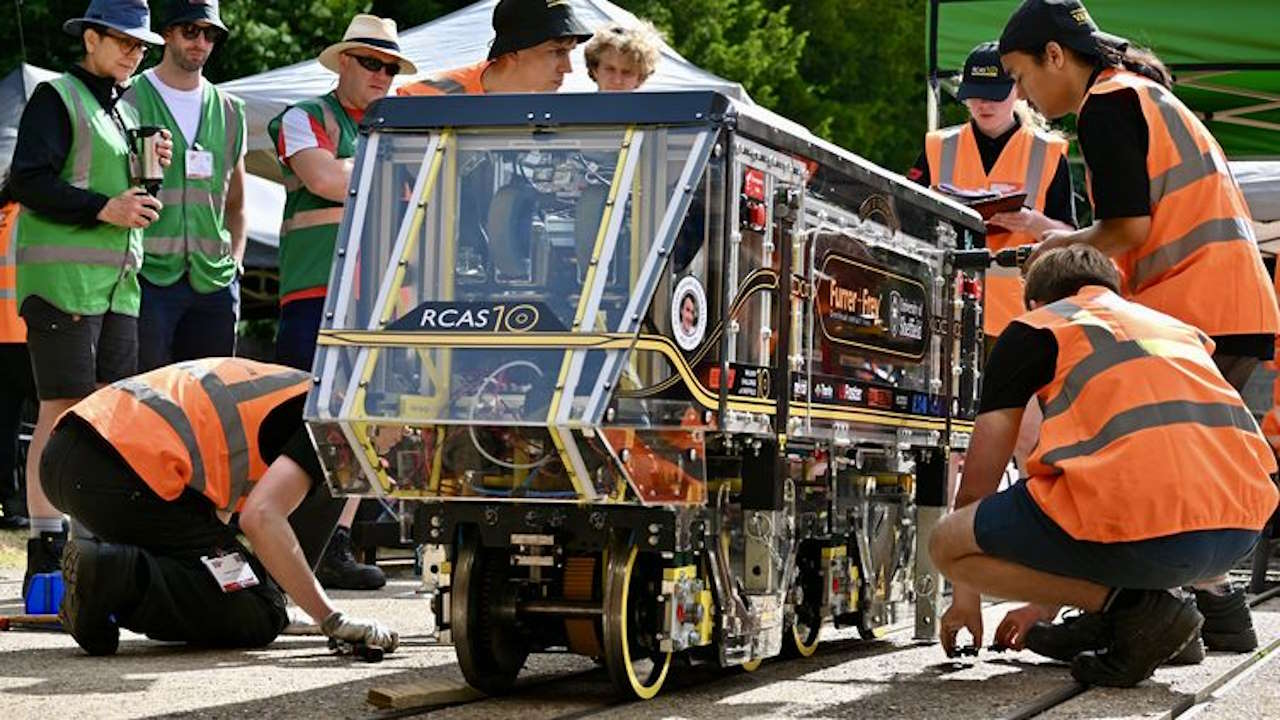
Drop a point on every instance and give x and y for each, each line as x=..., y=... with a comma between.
x=632, y=619
x=801, y=639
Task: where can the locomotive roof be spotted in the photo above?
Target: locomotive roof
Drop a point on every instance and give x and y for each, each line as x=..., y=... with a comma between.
x=671, y=109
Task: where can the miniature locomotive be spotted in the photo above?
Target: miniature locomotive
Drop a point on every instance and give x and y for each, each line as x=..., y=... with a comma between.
x=667, y=373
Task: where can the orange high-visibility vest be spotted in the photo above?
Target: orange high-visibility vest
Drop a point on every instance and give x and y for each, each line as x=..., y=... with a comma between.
x=194, y=424
x=1271, y=421
x=1029, y=161
x=459, y=81
x=1142, y=436
x=1200, y=261
x=12, y=328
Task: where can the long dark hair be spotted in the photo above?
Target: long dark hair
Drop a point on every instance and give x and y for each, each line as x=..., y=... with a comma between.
x=1135, y=59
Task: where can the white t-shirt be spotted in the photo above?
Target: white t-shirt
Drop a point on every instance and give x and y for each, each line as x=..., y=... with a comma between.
x=184, y=105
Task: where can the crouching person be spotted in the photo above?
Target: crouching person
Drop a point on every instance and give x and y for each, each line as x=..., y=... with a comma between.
x=1150, y=473
x=153, y=467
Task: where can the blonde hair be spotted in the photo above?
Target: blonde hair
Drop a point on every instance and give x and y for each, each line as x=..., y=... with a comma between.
x=640, y=44
x=1028, y=116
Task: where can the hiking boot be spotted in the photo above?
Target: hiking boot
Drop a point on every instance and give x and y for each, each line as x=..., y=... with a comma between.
x=43, y=556
x=99, y=579
x=1062, y=641
x=1150, y=629
x=339, y=570
x=1192, y=654
x=1228, y=624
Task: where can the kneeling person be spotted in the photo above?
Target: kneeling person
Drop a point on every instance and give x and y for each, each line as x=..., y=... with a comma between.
x=1150, y=472
x=153, y=467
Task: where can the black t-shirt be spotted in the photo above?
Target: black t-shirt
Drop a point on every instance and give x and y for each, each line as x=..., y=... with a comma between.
x=1022, y=361
x=1057, y=201
x=1113, y=138
x=282, y=433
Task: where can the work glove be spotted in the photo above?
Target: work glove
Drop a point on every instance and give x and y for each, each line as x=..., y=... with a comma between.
x=360, y=631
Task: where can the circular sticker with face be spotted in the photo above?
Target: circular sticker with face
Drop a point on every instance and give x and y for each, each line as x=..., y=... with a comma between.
x=689, y=313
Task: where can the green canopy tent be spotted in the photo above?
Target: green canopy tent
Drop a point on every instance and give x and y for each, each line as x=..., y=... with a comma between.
x=1225, y=56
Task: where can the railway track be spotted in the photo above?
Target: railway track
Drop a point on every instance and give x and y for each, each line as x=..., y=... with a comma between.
x=587, y=694
x=1045, y=703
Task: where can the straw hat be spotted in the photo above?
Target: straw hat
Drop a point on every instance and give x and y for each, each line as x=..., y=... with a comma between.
x=368, y=31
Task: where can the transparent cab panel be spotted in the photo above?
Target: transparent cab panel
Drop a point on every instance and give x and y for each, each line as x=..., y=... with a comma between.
x=484, y=303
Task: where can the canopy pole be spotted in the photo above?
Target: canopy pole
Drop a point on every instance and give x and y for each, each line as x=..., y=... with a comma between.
x=932, y=98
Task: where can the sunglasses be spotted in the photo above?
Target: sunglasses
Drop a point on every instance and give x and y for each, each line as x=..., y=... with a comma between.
x=128, y=45
x=191, y=31
x=373, y=65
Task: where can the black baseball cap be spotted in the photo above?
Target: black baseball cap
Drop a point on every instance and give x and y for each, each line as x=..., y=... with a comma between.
x=984, y=77
x=521, y=24
x=190, y=11
x=1038, y=22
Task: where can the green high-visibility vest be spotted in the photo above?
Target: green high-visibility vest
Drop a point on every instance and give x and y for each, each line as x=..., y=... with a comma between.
x=191, y=235
x=84, y=270
x=310, y=226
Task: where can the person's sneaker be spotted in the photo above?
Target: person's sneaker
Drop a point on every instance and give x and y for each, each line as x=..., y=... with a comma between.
x=1064, y=640
x=99, y=579
x=1228, y=624
x=43, y=556
x=1151, y=629
x=339, y=570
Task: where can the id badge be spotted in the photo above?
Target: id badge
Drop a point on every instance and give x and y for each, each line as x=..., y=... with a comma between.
x=230, y=571
x=199, y=164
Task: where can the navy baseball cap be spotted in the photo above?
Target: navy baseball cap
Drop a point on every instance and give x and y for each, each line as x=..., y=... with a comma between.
x=1038, y=22
x=521, y=24
x=131, y=17
x=190, y=11
x=984, y=77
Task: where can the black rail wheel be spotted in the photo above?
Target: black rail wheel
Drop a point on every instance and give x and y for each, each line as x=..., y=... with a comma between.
x=489, y=647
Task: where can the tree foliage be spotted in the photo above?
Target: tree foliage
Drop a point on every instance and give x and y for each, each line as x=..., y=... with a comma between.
x=852, y=70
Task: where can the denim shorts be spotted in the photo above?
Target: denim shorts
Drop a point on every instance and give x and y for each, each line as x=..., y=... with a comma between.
x=1011, y=526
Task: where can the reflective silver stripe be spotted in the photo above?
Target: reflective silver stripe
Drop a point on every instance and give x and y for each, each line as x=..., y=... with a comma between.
x=950, y=147
x=232, y=122
x=225, y=407
x=246, y=390
x=36, y=254
x=331, y=126
x=1102, y=359
x=81, y=143
x=174, y=196
x=1035, y=170
x=212, y=247
x=8, y=294
x=1167, y=256
x=312, y=218
x=1156, y=415
x=1192, y=164
x=1063, y=308
x=176, y=418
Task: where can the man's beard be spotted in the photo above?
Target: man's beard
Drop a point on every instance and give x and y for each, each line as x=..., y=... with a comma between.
x=189, y=65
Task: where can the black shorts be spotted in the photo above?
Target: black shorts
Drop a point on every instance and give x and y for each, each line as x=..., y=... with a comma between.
x=73, y=354
x=1011, y=526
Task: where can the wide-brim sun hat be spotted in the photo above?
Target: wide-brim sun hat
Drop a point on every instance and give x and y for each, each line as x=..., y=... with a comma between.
x=368, y=32
x=130, y=17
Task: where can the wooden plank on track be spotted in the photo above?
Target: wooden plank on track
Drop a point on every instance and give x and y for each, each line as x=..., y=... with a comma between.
x=420, y=693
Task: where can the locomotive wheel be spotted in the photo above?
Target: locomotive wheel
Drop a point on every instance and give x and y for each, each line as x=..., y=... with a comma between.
x=632, y=584
x=801, y=639
x=752, y=665
x=489, y=648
